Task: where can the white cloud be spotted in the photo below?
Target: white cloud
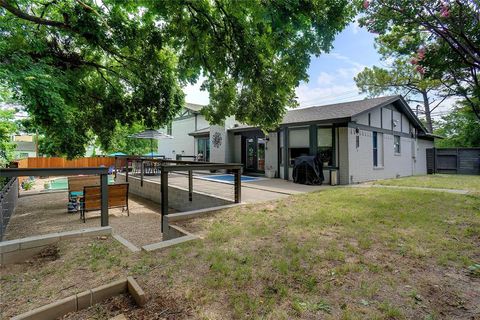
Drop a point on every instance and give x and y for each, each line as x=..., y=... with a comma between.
x=325, y=78
x=193, y=94
x=308, y=96
x=355, y=27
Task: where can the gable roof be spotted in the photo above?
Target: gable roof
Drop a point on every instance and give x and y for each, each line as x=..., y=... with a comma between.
x=335, y=111
x=193, y=107
x=347, y=110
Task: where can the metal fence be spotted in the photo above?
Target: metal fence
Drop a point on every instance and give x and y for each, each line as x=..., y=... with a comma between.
x=453, y=160
x=8, y=203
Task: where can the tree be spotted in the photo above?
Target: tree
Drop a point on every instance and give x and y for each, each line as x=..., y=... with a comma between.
x=7, y=129
x=81, y=66
x=459, y=128
x=402, y=78
x=442, y=36
x=122, y=142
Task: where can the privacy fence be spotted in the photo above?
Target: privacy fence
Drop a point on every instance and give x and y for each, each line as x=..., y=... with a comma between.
x=453, y=160
x=64, y=163
x=8, y=202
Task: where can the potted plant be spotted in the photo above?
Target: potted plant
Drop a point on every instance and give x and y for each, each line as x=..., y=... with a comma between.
x=326, y=156
x=270, y=172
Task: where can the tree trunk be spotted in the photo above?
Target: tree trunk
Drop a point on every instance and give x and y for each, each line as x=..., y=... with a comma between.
x=428, y=114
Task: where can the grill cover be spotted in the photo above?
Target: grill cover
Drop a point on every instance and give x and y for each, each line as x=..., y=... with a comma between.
x=308, y=170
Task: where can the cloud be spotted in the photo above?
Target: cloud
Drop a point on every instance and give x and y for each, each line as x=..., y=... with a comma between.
x=308, y=96
x=325, y=78
x=193, y=94
x=355, y=26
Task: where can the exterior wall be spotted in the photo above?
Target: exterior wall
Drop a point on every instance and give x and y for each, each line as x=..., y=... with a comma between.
x=177, y=196
x=361, y=159
x=218, y=152
x=271, y=152
x=343, y=162
x=181, y=143
x=420, y=162
x=237, y=149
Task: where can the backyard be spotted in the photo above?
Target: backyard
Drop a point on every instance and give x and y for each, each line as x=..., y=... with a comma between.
x=347, y=253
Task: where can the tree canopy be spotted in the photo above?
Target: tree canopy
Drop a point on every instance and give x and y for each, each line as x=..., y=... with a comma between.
x=7, y=129
x=459, y=128
x=442, y=39
x=83, y=66
x=402, y=78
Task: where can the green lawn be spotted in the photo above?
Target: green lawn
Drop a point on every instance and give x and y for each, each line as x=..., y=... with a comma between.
x=345, y=253
x=443, y=181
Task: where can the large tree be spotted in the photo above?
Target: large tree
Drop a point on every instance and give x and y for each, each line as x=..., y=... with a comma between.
x=403, y=78
x=459, y=128
x=7, y=129
x=81, y=66
x=442, y=36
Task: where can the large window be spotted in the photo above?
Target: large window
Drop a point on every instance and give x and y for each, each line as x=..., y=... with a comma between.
x=203, y=149
x=396, y=144
x=377, y=144
x=298, y=143
x=325, y=145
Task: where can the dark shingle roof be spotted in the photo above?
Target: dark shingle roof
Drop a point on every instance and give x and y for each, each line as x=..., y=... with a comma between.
x=200, y=132
x=335, y=111
x=193, y=106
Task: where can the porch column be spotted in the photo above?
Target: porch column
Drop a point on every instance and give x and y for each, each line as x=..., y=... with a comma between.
x=285, y=153
x=104, y=199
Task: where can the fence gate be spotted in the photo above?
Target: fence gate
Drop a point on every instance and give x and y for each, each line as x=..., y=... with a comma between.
x=453, y=160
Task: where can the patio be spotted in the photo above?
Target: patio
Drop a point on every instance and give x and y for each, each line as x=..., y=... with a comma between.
x=43, y=213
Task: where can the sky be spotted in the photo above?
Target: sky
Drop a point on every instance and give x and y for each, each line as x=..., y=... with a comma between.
x=331, y=74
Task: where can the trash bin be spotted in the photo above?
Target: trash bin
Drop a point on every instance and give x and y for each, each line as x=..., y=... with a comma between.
x=333, y=177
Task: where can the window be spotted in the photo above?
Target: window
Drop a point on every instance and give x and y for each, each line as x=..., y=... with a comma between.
x=169, y=129
x=203, y=149
x=298, y=143
x=375, y=149
x=369, y=119
x=396, y=144
x=281, y=133
x=325, y=146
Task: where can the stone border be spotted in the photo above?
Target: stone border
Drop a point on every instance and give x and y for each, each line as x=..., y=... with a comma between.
x=19, y=250
x=130, y=246
x=85, y=300
x=180, y=216
x=174, y=236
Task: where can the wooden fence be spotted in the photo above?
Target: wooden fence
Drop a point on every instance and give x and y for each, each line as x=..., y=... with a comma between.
x=453, y=160
x=64, y=163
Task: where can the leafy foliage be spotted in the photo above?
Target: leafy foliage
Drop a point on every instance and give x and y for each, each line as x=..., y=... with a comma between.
x=401, y=78
x=122, y=142
x=7, y=128
x=460, y=129
x=441, y=37
x=84, y=66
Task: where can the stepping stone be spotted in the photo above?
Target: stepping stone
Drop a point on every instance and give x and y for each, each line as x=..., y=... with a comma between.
x=119, y=317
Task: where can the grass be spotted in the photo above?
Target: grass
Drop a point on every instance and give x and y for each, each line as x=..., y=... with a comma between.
x=442, y=181
x=352, y=253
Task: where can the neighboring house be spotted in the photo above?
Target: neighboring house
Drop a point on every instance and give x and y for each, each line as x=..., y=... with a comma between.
x=25, y=146
x=361, y=140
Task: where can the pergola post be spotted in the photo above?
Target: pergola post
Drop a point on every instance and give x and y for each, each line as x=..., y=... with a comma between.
x=116, y=168
x=190, y=185
x=238, y=186
x=142, y=169
x=126, y=171
x=164, y=197
x=104, y=203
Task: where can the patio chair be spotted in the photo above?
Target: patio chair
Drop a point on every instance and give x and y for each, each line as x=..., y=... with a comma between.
x=75, y=189
x=92, y=198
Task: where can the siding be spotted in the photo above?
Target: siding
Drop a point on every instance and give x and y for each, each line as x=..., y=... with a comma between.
x=343, y=160
x=271, y=154
x=420, y=162
x=361, y=159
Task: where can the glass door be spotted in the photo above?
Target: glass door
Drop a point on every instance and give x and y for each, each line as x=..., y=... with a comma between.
x=250, y=154
x=260, y=154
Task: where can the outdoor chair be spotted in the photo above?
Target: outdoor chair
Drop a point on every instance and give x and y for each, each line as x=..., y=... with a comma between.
x=92, y=198
x=75, y=189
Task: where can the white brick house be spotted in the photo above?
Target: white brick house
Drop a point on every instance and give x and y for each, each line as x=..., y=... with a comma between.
x=362, y=140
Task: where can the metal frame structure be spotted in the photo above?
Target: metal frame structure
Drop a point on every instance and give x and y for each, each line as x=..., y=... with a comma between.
x=45, y=172
x=167, y=166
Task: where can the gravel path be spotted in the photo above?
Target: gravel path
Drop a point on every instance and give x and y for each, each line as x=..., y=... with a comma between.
x=38, y=214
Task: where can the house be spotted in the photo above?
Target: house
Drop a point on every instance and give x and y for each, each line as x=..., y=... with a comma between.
x=358, y=141
x=25, y=146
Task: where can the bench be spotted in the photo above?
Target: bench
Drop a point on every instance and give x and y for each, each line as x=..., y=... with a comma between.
x=77, y=183
x=92, y=198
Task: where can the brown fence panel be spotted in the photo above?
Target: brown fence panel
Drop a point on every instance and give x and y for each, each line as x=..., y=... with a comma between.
x=56, y=162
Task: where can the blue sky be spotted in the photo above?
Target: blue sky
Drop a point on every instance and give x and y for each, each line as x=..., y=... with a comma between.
x=331, y=75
